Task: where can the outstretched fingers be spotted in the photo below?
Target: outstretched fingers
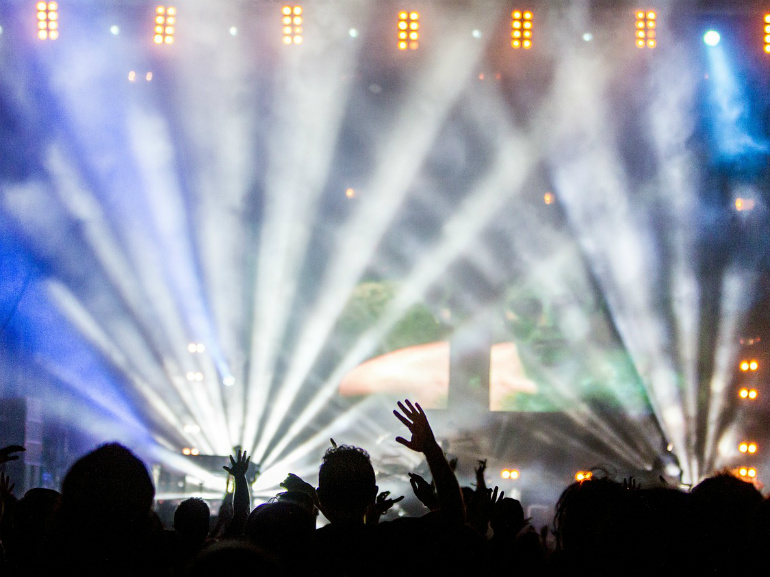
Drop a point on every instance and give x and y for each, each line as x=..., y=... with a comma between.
x=404, y=442
x=402, y=418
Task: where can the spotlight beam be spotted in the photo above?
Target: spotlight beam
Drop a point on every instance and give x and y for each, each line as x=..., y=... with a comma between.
x=735, y=285
x=429, y=100
x=511, y=165
x=310, y=105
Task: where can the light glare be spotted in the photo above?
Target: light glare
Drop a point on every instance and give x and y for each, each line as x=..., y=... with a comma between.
x=711, y=38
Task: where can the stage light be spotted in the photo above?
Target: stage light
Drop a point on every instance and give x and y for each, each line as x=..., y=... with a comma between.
x=350, y=193
x=132, y=76
x=186, y=451
x=748, y=447
x=646, y=29
x=521, y=29
x=194, y=348
x=711, y=38
x=408, y=30
x=748, y=394
x=192, y=429
x=747, y=472
x=47, y=20
x=165, y=25
x=749, y=365
x=194, y=451
x=512, y=474
x=767, y=33
x=114, y=30
x=292, y=24
x=744, y=204
x=548, y=198
x=581, y=476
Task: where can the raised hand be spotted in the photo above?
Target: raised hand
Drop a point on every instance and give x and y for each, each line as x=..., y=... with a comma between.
x=424, y=491
x=6, y=487
x=448, y=492
x=481, y=483
x=239, y=465
x=631, y=484
x=381, y=506
x=294, y=483
x=481, y=508
x=494, y=497
x=415, y=420
x=6, y=453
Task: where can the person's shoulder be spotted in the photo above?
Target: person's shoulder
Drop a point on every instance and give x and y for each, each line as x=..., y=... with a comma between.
x=407, y=527
x=335, y=532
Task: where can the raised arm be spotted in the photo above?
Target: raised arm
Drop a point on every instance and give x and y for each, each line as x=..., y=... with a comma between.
x=241, y=499
x=6, y=453
x=423, y=441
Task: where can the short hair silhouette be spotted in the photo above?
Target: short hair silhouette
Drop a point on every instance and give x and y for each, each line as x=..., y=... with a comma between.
x=191, y=519
x=346, y=482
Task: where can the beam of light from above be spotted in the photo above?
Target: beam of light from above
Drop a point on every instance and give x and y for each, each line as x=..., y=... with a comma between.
x=152, y=277
x=82, y=206
x=312, y=94
x=507, y=172
x=433, y=92
x=671, y=122
x=510, y=168
x=514, y=156
x=75, y=200
x=220, y=122
x=174, y=249
x=612, y=236
x=736, y=285
x=733, y=126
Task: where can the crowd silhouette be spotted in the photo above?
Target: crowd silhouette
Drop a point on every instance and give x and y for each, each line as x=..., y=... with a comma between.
x=103, y=523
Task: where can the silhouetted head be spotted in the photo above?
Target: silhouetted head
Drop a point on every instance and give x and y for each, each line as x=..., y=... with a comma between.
x=724, y=507
x=726, y=499
x=346, y=484
x=283, y=529
x=191, y=520
x=107, y=491
x=588, y=516
x=507, y=517
x=35, y=509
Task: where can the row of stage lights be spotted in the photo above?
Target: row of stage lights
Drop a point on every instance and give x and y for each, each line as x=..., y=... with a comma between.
x=407, y=33
x=748, y=366
x=580, y=476
x=747, y=473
